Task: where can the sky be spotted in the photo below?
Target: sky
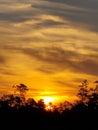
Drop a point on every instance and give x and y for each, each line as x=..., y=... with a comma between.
x=49, y=45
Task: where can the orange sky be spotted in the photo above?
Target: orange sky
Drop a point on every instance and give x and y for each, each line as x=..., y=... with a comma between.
x=49, y=45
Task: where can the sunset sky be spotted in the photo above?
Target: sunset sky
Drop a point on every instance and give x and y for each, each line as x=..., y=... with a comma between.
x=49, y=45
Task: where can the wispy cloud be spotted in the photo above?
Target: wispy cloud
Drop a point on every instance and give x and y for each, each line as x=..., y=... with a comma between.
x=82, y=13
x=57, y=59
x=2, y=60
x=45, y=39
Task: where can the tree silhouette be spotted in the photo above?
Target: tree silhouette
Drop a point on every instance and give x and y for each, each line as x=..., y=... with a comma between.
x=19, y=95
x=21, y=89
x=6, y=101
x=31, y=102
x=93, y=97
x=41, y=104
x=83, y=92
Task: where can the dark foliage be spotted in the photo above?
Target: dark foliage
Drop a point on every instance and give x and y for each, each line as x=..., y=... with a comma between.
x=17, y=112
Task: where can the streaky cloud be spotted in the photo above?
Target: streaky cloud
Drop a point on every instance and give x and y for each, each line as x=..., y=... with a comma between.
x=58, y=59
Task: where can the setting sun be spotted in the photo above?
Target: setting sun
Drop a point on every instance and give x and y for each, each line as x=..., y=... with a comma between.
x=47, y=100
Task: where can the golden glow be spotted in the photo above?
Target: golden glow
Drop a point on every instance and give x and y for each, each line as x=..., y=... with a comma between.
x=48, y=107
x=49, y=102
x=47, y=99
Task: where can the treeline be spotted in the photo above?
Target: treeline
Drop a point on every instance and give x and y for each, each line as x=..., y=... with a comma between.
x=18, y=112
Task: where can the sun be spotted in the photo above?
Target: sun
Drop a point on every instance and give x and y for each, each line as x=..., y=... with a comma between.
x=48, y=100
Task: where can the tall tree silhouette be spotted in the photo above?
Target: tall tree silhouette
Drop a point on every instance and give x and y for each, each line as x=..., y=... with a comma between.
x=21, y=89
x=41, y=104
x=93, y=97
x=20, y=92
x=83, y=92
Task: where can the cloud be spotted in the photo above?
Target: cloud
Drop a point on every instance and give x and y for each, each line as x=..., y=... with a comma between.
x=78, y=13
x=89, y=66
x=2, y=59
x=16, y=12
x=55, y=59
x=78, y=3
x=64, y=83
x=6, y=71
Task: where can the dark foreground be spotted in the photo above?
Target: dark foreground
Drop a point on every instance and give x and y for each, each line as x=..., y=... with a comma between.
x=18, y=113
x=35, y=119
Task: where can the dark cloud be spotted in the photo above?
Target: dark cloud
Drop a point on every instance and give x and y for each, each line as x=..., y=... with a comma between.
x=54, y=59
x=27, y=15
x=57, y=59
x=79, y=13
x=48, y=23
x=47, y=69
x=78, y=3
x=89, y=66
x=2, y=60
x=79, y=80
x=14, y=17
x=64, y=83
x=6, y=70
x=52, y=55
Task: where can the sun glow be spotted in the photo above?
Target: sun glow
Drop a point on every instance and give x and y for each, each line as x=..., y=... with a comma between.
x=48, y=100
